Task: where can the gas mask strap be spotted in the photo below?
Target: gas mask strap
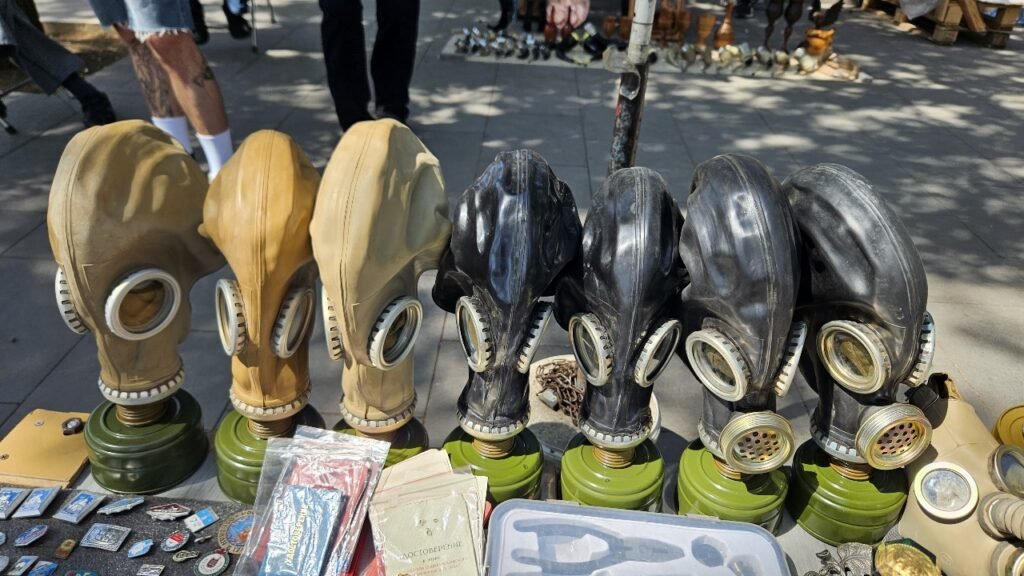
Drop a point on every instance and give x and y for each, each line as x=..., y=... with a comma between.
x=395, y=333
x=925, y=353
x=474, y=333
x=656, y=353
x=66, y=304
x=718, y=364
x=293, y=322
x=230, y=316
x=538, y=323
x=790, y=361
x=332, y=328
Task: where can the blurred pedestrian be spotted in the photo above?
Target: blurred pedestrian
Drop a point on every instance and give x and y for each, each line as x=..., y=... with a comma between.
x=394, y=53
x=49, y=64
x=176, y=81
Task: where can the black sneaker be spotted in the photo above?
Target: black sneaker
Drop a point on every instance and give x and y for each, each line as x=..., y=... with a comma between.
x=238, y=26
x=97, y=110
x=200, y=33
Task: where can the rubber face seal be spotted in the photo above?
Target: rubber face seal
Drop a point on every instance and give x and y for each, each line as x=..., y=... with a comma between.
x=654, y=350
x=837, y=360
x=930, y=507
x=474, y=333
x=332, y=328
x=66, y=305
x=925, y=353
x=230, y=316
x=586, y=333
x=757, y=442
x=293, y=322
x=160, y=320
x=791, y=360
x=385, y=355
x=539, y=323
x=708, y=374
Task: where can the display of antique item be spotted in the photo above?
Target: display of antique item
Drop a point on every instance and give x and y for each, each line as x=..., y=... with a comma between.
x=773, y=11
x=819, y=38
x=617, y=304
x=123, y=217
x=514, y=232
x=257, y=213
x=381, y=220
x=863, y=294
x=1009, y=428
x=966, y=502
x=705, y=24
x=724, y=36
x=739, y=249
x=794, y=10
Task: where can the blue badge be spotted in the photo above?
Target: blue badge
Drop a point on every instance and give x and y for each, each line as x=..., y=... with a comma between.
x=140, y=548
x=31, y=535
x=43, y=568
x=122, y=505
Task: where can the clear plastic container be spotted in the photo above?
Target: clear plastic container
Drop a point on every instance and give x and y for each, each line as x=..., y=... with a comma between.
x=528, y=537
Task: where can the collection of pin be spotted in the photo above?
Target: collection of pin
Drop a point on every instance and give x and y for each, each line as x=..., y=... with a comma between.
x=26, y=503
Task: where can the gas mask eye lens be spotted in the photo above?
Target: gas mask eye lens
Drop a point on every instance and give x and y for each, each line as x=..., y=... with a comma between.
x=946, y=491
x=230, y=316
x=592, y=348
x=395, y=332
x=1007, y=469
x=717, y=364
x=474, y=333
x=142, y=304
x=854, y=355
x=656, y=353
x=66, y=305
x=293, y=322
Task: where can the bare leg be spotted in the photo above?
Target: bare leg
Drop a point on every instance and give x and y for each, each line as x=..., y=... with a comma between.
x=156, y=87
x=191, y=80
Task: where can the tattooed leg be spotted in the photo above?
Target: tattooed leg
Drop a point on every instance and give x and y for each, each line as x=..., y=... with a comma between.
x=156, y=87
x=191, y=80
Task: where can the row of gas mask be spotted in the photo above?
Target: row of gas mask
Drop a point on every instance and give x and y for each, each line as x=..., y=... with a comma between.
x=133, y=225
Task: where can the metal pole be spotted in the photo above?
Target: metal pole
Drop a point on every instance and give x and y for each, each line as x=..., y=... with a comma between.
x=632, y=86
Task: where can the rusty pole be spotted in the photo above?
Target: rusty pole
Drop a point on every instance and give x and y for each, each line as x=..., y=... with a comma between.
x=632, y=86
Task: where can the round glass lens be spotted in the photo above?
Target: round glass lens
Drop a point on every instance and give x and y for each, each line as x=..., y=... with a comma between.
x=586, y=349
x=300, y=324
x=851, y=357
x=469, y=334
x=946, y=490
x=223, y=319
x=715, y=365
x=662, y=354
x=1011, y=469
x=399, y=335
x=144, y=307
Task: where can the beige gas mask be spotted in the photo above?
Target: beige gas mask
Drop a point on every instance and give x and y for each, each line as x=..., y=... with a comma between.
x=380, y=222
x=123, y=218
x=967, y=502
x=257, y=213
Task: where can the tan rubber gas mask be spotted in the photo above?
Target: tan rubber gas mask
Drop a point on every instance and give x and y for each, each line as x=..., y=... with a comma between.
x=381, y=220
x=863, y=295
x=123, y=219
x=617, y=303
x=516, y=230
x=257, y=213
x=967, y=490
x=739, y=248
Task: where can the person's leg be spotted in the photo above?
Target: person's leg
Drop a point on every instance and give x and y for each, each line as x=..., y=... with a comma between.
x=164, y=109
x=394, y=54
x=341, y=32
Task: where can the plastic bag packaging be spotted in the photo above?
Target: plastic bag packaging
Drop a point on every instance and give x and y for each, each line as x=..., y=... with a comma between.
x=310, y=503
x=428, y=521
x=917, y=8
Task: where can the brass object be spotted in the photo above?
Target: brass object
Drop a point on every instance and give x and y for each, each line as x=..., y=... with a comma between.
x=705, y=24
x=724, y=36
x=850, y=470
x=1009, y=428
x=495, y=449
x=897, y=559
x=819, y=42
x=615, y=459
x=610, y=27
x=270, y=429
x=625, y=27
x=727, y=471
x=141, y=415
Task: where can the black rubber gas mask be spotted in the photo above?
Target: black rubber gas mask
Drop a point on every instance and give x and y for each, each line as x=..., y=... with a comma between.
x=618, y=304
x=515, y=231
x=863, y=294
x=739, y=248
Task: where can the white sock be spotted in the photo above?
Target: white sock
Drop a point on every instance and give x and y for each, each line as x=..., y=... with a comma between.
x=217, y=149
x=177, y=128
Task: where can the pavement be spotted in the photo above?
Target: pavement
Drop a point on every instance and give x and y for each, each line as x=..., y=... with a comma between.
x=938, y=131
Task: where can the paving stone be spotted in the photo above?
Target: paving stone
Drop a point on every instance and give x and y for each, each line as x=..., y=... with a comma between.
x=15, y=226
